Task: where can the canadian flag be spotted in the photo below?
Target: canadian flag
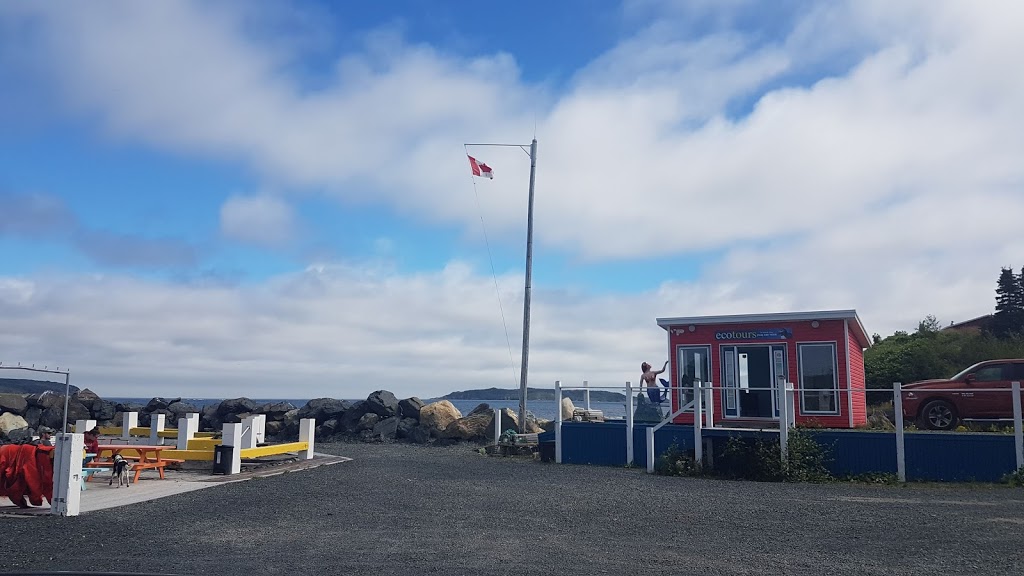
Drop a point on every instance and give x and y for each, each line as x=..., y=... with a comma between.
x=479, y=168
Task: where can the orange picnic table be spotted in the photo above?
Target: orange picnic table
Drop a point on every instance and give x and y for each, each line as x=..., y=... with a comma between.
x=145, y=457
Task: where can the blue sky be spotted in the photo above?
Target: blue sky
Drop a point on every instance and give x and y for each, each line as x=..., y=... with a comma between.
x=283, y=185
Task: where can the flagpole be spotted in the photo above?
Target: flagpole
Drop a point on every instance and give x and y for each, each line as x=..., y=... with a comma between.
x=526, y=293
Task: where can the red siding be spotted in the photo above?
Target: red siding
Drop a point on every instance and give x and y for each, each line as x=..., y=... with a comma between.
x=833, y=331
x=857, y=382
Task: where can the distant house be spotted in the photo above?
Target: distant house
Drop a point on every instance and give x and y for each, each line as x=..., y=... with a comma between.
x=974, y=325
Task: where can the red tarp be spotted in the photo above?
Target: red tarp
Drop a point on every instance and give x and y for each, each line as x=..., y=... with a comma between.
x=26, y=470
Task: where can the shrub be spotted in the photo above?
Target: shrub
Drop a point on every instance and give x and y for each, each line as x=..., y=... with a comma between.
x=1015, y=478
x=675, y=462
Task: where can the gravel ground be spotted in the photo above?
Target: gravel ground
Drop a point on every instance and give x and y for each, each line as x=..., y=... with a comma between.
x=401, y=509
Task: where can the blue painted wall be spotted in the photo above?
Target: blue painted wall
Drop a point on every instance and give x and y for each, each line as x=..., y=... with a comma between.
x=930, y=456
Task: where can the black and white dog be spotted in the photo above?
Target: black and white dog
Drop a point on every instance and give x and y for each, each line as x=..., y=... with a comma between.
x=121, y=468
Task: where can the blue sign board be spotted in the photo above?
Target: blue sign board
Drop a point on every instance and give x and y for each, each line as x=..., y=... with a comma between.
x=758, y=334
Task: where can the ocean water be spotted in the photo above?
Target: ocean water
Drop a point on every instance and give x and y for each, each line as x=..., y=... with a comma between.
x=543, y=409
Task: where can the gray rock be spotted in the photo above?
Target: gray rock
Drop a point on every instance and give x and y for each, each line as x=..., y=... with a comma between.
x=323, y=409
x=367, y=422
x=13, y=403
x=382, y=403
x=33, y=415
x=480, y=409
x=130, y=407
x=419, y=435
x=275, y=411
x=386, y=428
x=45, y=400
x=10, y=421
x=405, y=426
x=235, y=406
x=21, y=435
x=646, y=411
x=292, y=416
x=274, y=429
x=53, y=418
x=208, y=418
x=105, y=410
x=159, y=404
x=350, y=419
x=410, y=408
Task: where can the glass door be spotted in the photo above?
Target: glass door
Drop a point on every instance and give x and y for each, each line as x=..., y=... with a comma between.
x=694, y=365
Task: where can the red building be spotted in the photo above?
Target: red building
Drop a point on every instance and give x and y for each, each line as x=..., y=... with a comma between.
x=745, y=356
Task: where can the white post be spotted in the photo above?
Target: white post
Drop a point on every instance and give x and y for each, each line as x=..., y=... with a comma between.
x=698, y=434
x=709, y=405
x=187, y=428
x=783, y=421
x=897, y=404
x=650, y=449
x=1018, y=437
x=67, y=475
x=232, y=436
x=586, y=395
x=629, y=423
x=558, y=422
x=307, y=429
x=791, y=404
x=156, y=426
x=497, y=424
x=83, y=426
x=249, y=431
x=129, y=420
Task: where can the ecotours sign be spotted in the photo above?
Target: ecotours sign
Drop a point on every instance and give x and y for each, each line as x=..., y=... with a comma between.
x=762, y=334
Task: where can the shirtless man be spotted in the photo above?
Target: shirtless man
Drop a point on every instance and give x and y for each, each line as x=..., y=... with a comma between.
x=649, y=380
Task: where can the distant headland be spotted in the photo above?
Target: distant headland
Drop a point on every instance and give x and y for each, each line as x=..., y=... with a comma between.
x=25, y=386
x=533, y=394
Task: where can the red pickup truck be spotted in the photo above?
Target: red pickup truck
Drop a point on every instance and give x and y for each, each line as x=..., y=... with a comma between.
x=981, y=392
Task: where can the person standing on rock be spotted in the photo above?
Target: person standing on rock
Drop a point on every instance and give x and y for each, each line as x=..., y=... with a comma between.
x=648, y=381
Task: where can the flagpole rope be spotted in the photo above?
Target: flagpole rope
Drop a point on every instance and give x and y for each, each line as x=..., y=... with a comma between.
x=494, y=276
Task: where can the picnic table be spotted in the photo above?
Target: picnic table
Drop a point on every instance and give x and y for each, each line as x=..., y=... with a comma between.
x=144, y=457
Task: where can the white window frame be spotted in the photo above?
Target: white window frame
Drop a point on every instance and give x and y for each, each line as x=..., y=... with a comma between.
x=835, y=379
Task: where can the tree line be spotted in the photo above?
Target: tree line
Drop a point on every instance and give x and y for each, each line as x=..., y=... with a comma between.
x=934, y=352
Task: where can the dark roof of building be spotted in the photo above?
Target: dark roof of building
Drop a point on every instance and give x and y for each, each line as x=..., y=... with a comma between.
x=979, y=321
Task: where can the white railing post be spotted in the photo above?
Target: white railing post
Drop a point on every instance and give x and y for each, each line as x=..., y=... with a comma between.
x=497, y=423
x=709, y=405
x=783, y=421
x=629, y=424
x=650, y=449
x=791, y=404
x=129, y=420
x=1018, y=436
x=698, y=435
x=232, y=436
x=187, y=428
x=307, y=432
x=897, y=404
x=586, y=395
x=83, y=426
x=67, y=475
x=558, y=422
x=156, y=426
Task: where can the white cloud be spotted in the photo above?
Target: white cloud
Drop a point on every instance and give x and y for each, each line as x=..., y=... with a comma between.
x=891, y=185
x=261, y=220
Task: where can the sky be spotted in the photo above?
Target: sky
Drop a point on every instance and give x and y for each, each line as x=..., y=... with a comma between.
x=272, y=199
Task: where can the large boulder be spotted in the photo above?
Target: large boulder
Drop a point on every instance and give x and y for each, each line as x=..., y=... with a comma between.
x=21, y=435
x=13, y=403
x=404, y=428
x=479, y=425
x=130, y=407
x=104, y=410
x=235, y=406
x=87, y=397
x=387, y=428
x=77, y=411
x=328, y=428
x=208, y=418
x=33, y=415
x=646, y=411
x=45, y=400
x=159, y=404
x=274, y=429
x=410, y=408
x=323, y=409
x=53, y=418
x=382, y=403
x=419, y=434
x=367, y=422
x=350, y=419
x=180, y=410
x=437, y=416
x=10, y=422
x=275, y=411
x=567, y=409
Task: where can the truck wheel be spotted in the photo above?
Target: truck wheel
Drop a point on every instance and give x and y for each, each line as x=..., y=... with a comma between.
x=939, y=415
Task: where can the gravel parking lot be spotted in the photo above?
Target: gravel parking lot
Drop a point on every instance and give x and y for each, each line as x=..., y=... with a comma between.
x=399, y=509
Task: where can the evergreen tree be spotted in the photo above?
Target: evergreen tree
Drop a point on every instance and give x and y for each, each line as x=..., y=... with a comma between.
x=1009, y=316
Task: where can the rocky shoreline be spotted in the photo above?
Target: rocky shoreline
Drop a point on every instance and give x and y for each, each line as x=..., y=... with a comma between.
x=382, y=417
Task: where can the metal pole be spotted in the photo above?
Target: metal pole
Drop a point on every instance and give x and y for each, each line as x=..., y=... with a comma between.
x=558, y=422
x=67, y=394
x=783, y=421
x=1018, y=436
x=629, y=423
x=586, y=395
x=698, y=435
x=897, y=404
x=526, y=292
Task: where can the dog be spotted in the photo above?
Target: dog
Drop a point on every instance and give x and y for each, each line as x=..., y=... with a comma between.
x=121, y=469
